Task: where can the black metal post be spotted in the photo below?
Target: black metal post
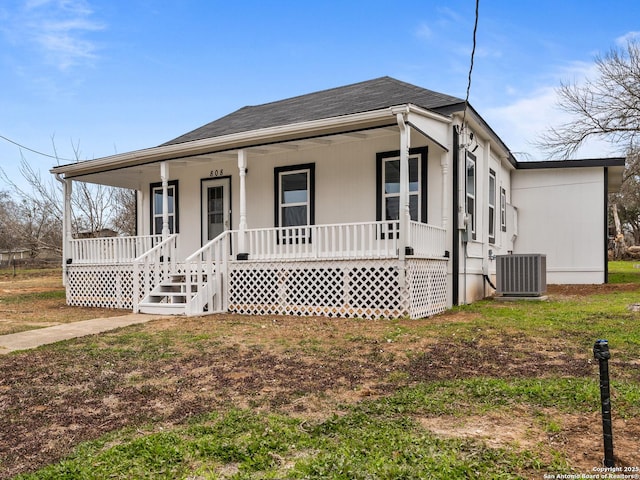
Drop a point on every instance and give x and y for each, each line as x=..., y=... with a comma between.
x=602, y=354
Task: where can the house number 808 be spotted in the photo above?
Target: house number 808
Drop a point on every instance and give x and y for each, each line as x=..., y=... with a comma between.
x=216, y=173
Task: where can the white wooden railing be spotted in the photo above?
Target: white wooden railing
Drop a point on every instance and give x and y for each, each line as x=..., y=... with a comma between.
x=338, y=241
x=108, y=250
x=427, y=240
x=153, y=266
x=204, y=273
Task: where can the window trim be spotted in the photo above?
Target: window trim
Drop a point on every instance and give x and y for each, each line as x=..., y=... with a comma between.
x=503, y=209
x=290, y=169
x=471, y=157
x=176, y=210
x=491, y=219
x=423, y=153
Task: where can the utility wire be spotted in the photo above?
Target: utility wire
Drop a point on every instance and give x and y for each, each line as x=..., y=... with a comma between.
x=473, y=52
x=35, y=151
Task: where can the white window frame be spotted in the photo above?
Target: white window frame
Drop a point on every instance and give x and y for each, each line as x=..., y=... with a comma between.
x=471, y=196
x=282, y=205
x=412, y=193
x=503, y=209
x=492, y=207
x=173, y=207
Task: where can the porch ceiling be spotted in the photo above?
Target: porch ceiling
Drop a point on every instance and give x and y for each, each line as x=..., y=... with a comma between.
x=136, y=176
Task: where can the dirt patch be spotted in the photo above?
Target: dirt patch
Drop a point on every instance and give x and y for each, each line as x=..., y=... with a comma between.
x=495, y=429
x=579, y=436
x=581, y=290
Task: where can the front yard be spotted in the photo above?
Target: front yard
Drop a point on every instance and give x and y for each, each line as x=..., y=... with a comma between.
x=490, y=390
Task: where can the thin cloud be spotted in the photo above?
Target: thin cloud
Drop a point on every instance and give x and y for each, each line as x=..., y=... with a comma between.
x=629, y=36
x=448, y=15
x=522, y=122
x=60, y=30
x=424, y=31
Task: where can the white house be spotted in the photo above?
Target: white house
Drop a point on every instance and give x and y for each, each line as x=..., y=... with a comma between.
x=377, y=199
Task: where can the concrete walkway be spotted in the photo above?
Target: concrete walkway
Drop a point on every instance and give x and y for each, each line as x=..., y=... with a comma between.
x=57, y=333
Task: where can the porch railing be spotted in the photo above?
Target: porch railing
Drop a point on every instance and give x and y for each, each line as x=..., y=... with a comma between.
x=427, y=240
x=109, y=250
x=341, y=241
x=204, y=270
x=153, y=266
x=338, y=241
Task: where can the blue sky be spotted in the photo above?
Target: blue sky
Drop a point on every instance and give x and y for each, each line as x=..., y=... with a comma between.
x=109, y=76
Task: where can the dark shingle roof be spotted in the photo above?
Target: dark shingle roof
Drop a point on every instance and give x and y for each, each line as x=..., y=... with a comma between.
x=360, y=97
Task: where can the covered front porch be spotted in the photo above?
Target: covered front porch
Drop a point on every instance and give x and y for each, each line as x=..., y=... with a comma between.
x=360, y=209
x=352, y=270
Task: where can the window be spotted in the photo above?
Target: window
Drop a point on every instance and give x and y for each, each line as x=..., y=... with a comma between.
x=294, y=195
x=156, y=207
x=492, y=206
x=388, y=188
x=503, y=209
x=471, y=193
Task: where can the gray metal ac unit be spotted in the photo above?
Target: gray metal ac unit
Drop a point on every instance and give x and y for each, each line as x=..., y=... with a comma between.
x=521, y=275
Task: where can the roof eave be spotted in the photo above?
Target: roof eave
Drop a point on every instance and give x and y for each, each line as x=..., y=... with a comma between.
x=571, y=163
x=246, y=139
x=474, y=116
x=614, y=165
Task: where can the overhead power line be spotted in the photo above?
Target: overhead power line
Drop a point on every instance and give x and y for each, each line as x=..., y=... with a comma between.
x=24, y=147
x=473, y=52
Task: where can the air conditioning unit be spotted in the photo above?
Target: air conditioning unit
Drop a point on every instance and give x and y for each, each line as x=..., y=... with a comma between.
x=521, y=275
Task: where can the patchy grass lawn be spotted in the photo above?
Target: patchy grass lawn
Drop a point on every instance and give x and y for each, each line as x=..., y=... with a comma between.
x=490, y=390
x=624, y=272
x=36, y=298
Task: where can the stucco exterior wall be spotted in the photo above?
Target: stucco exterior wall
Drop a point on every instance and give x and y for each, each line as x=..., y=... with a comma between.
x=561, y=214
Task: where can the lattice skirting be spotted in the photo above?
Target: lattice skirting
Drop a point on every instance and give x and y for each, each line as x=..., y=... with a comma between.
x=384, y=288
x=363, y=288
x=427, y=282
x=106, y=286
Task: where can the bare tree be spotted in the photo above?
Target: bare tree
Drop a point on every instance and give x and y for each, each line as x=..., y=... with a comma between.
x=124, y=218
x=607, y=107
x=627, y=200
x=35, y=216
x=7, y=208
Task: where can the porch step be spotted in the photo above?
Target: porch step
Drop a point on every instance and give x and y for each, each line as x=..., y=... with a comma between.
x=169, y=297
x=163, y=308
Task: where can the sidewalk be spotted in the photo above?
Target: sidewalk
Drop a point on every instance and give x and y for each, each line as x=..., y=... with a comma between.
x=44, y=336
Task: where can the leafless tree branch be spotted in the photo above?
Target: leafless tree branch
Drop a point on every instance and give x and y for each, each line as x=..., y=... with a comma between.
x=607, y=107
x=31, y=216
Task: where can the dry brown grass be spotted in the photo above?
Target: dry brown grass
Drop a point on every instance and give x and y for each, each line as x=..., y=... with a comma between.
x=36, y=300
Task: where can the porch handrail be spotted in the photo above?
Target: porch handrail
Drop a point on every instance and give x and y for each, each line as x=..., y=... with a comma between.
x=107, y=250
x=150, y=268
x=427, y=240
x=205, y=269
x=332, y=241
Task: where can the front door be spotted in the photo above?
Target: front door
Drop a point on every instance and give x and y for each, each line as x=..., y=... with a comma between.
x=216, y=208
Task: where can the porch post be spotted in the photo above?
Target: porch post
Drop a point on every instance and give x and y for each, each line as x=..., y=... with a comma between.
x=405, y=213
x=164, y=175
x=67, y=254
x=242, y=227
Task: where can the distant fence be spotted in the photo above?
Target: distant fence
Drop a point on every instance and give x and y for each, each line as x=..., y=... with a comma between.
x=23, y=263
